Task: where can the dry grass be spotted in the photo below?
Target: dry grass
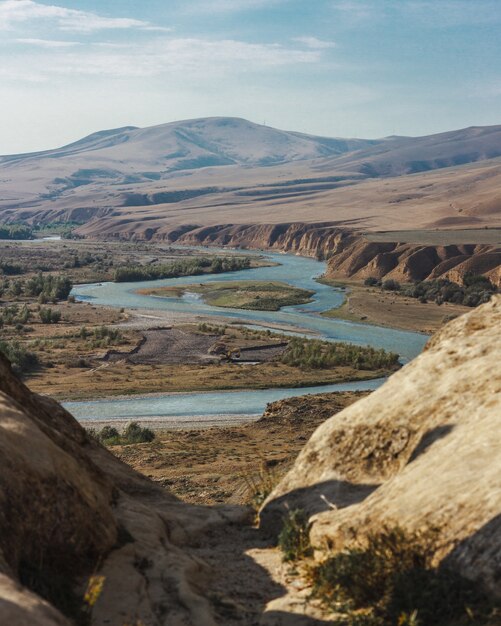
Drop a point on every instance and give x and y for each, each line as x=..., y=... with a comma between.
x=374, y=306
x=234, y=464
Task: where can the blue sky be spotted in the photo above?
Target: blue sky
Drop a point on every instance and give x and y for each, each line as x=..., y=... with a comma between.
x=365, y=68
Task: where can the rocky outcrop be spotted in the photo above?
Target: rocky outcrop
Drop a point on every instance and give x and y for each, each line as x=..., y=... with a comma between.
x=351, y=255
x=317, y=240
x=408, y=262
x=69, y=509
x=422, y=451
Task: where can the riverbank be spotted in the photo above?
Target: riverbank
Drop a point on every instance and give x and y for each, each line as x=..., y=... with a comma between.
x=372, y=305
x=233, y=464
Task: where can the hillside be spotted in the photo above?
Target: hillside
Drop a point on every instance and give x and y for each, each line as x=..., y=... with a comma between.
x=133, y=182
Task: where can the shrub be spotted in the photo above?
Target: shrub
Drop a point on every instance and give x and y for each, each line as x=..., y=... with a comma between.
x=133, y=433
x=49, y=316
x=294, y=538
x=390, y=581
x=370, y=281
x=188, y=267
x=391, y=285
x=315, y=354
x=22, y=360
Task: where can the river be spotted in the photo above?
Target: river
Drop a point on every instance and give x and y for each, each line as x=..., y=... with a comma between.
x=295, y=270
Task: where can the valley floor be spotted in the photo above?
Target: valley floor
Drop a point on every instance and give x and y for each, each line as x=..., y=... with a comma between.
x=238, y=464
x=385, y=308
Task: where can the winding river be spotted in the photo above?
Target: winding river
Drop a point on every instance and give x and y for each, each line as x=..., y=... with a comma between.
x=295, y=270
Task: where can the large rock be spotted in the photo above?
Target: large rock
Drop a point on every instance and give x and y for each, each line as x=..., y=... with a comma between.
x=69, y=509
x=422, y=451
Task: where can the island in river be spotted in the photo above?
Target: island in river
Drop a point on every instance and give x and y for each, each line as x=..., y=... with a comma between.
x=253, y=295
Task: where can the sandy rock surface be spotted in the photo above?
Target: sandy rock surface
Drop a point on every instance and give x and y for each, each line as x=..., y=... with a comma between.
x=69, y=508
x=423, y=450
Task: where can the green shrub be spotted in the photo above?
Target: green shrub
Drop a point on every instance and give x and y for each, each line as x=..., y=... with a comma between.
x=476, y=290
x=187, y=267
x=390, y=580
x=133, y=433
x=49, y=316
x=22, y=360
x=370, y=281
x=391, y=285
x=316, y=354
x=294, y=538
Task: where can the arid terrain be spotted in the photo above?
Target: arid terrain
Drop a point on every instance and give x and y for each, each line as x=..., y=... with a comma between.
x=142, y=183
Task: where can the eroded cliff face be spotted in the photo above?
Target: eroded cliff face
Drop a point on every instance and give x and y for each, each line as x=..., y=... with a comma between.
x=69, y=509
x=423, y=451
x=411, y=262
x=316, y=240
x=350, y=255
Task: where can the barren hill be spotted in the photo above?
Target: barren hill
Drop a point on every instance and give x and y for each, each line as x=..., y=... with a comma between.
x=133, y=182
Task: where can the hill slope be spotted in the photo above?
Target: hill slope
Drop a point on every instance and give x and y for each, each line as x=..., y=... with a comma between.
x=214, y=169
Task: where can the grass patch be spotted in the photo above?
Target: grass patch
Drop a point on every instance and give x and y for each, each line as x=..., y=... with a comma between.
x=251, y=295
x=390, y=580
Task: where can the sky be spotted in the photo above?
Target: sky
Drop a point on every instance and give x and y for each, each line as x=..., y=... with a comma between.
x=344, y=68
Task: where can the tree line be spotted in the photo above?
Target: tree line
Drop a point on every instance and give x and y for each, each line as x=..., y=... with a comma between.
x=175, y=269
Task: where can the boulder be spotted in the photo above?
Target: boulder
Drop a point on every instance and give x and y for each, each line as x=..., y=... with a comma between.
x=422, y=451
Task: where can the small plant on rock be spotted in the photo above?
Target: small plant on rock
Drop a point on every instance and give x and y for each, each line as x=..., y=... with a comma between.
x=294, y=538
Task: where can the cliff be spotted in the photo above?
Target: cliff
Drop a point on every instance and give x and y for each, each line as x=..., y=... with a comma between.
x=69, y=509
x=351, y=255
x=423, y=451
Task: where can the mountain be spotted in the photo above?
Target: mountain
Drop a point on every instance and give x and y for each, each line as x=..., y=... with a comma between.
x=215, y=170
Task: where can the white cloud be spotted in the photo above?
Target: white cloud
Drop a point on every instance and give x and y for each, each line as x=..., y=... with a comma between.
x=314, y=43
x=228, y=6
x=356, y=9
x=48, y=43
x=164, y=56
x=15, y=12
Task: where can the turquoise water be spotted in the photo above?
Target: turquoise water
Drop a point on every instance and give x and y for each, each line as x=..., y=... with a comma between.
x=217, y=403
x=295, y=270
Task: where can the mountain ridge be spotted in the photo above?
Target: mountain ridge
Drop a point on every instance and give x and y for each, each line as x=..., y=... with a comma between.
x=222, y=165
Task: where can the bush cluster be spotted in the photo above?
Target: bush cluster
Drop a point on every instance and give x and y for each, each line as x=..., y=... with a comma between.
x=476, y=289
x=49, y=316
x=101, y=337
x=315, y=354
x=188, y=267
x=48, y=288
x=133, y=433
x=390, y=580
x=22, y=360
x=14, y=315
x=15, y=231
x=11, y=269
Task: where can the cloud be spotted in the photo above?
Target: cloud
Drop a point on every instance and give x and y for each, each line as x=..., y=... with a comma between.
x=15, y=12
x=314, y=43
x=228, y=6
x=356, y=9
x=48, y=43
x=161, y=56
